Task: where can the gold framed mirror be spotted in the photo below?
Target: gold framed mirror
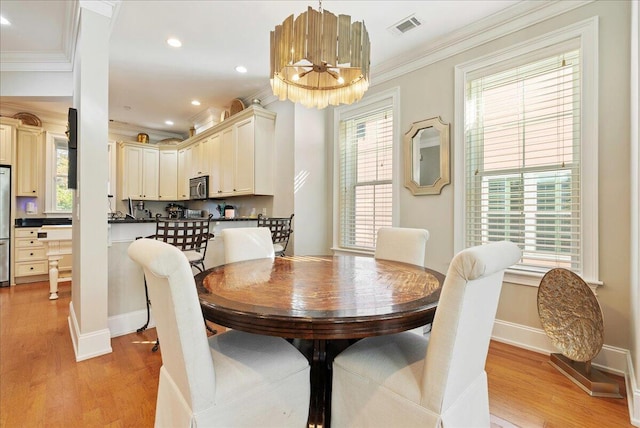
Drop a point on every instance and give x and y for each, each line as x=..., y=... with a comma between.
x=426, y=157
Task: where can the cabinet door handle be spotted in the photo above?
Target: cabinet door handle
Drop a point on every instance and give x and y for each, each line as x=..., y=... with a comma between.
x=31, y=254
x=31, y=242
x=31, y=268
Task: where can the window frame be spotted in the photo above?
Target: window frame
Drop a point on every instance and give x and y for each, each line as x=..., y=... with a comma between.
x=586, y=32
x=390, y=98
x=50, y=181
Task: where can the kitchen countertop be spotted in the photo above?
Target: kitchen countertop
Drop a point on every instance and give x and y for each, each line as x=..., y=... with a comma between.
x=39, y=222
x=153, y=220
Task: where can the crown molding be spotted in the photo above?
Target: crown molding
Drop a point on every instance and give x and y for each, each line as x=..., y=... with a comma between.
x=61, y=60
x=132, y=131
x=510, y=20
x=46, y=116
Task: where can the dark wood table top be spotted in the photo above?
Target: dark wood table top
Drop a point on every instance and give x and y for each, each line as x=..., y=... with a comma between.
x=339, y=297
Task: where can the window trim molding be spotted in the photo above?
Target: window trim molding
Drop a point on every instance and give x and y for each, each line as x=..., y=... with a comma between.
x=343, y=112
x=50, y=160
x=587, y=32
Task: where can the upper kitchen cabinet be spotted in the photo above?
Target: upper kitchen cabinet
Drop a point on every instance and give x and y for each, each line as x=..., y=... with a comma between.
x=7, y=137
x=168, y=182
x=212, y=152
x=247, y=154
x=183, y=175
x=28, y=162
x=138, y=171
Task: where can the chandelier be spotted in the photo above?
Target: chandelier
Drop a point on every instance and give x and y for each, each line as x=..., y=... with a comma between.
x=320, y=59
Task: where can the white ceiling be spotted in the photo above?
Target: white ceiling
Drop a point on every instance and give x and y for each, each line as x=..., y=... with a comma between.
x=150, y=82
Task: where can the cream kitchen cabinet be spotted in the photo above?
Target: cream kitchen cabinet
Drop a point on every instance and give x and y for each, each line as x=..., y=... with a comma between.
x=7, y=137
x=197, y=159
x=168, y=181
x=111, y=153
x=247, y=158
x=28, y=162
x=183, y=175
x=212, y=153
x=138, y=171
x=30, y=254
x=227, y=161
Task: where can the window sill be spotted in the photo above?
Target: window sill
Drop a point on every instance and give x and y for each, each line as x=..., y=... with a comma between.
x=533, y=279
x=56, y=213
x=344, y=251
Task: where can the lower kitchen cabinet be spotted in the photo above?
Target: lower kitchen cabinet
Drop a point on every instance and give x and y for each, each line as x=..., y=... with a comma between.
x=30, y=254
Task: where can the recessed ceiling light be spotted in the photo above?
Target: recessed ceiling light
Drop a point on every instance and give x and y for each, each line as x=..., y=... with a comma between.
x=4, y=21
x=174, y=42
x=195, y=102
x=168, y=122
x=241, y=69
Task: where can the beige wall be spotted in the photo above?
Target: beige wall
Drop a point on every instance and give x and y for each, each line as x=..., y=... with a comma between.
x=429, y=92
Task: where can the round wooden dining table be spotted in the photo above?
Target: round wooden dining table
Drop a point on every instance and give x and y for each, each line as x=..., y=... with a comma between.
x=324, y=301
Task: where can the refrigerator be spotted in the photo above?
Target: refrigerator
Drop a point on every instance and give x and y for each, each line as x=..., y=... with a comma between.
x=5, y=224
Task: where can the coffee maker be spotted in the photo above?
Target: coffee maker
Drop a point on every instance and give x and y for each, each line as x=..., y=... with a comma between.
x=175, y=211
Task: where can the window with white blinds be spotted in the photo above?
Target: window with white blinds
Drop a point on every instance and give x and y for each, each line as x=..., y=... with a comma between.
x=365, y=176
x=522, y=160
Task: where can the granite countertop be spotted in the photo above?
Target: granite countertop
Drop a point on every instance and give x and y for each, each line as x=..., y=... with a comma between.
x=39, y=222
x=153, y=220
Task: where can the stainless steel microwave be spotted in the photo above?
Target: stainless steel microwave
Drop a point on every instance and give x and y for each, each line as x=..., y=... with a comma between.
x=199, y=187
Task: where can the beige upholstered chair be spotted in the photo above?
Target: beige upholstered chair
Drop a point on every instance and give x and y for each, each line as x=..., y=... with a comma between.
x=406, y=245
x=402, y=244
x=231, y=379
x=247, y=243
x=404, y=380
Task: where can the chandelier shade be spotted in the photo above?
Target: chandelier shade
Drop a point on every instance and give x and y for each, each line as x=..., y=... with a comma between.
x=319, y=59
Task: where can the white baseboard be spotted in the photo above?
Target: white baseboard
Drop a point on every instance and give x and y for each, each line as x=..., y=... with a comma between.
x=633, y=393
x=88, y=345
x=122, y=324
x=610, y=359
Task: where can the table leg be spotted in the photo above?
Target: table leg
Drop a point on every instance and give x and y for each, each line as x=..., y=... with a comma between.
x=320, y=354
x=53, y=278
x=318, y=403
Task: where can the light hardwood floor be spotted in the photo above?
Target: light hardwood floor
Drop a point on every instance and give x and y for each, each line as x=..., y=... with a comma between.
x=41, y=385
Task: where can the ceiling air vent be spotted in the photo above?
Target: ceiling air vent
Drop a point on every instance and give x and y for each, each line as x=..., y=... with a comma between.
x=407, y=24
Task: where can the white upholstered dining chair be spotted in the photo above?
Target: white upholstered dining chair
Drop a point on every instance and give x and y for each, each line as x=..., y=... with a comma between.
x=409, y=381
x=402, y=244
x=406, y=245
x=231, y=379
x=247, y=243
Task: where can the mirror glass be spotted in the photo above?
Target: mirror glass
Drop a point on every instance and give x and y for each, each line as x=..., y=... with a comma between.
x=427, y=157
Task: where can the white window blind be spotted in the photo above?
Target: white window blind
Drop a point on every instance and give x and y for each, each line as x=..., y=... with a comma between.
x=522, y=161
x=365, y=176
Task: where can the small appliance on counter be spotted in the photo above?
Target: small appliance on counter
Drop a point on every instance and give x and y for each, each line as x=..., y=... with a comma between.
x=229, y=211
x=193, y=214
x=175, y=211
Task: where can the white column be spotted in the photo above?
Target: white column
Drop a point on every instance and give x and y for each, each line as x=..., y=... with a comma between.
x=88, y=307
x=634, y=399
